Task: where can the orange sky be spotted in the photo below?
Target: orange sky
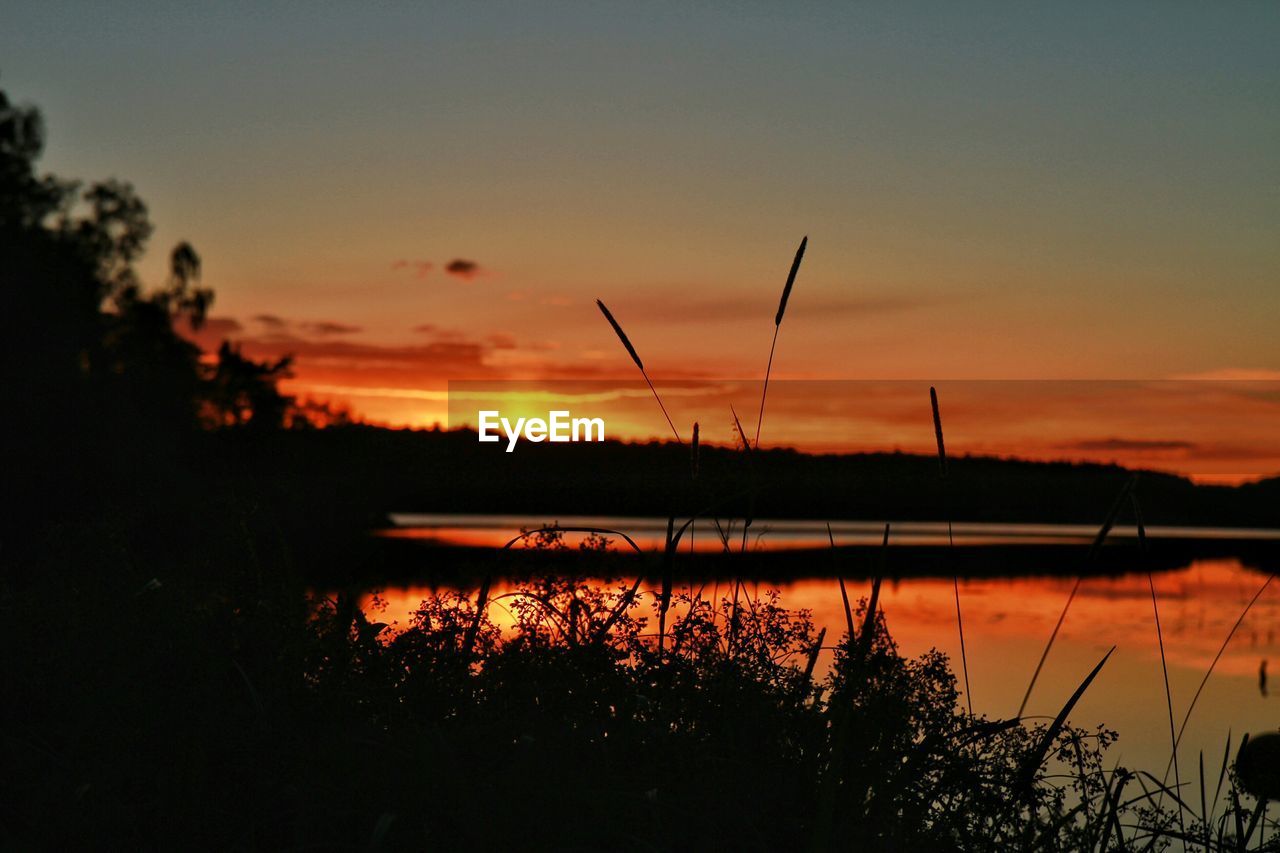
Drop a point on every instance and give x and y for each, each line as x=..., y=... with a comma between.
x=405, y=196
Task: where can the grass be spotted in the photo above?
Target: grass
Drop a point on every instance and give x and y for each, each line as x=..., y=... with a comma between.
x=1033, y=762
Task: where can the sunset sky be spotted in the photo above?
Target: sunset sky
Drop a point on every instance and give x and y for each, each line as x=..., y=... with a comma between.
x=402, y=195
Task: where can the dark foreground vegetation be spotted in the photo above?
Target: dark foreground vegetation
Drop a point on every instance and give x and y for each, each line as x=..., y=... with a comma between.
x=173, y=714
x=170, y=683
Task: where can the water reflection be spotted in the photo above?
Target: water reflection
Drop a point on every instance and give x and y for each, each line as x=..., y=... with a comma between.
x=1008, y=620
x=493, y=531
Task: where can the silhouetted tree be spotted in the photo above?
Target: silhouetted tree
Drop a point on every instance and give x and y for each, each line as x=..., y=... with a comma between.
x=243, y=392
x=103, y=390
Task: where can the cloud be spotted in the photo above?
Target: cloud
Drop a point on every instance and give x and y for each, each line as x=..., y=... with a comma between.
x=221, y=326
x=462, y=268
x=324, y=328
x=458, y=267
x=419, y=269
x=211, y=333
x=501, y=340
x=1234, y=374
x=677, y=308
x=271, y=321
x=1129, y=444
x=352, y=362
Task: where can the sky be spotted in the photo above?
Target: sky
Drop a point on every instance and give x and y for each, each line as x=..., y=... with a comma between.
x=406, y=194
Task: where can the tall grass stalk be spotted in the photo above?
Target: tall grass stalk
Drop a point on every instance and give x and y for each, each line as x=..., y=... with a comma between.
x=844, y=593
x=1168, y=698
x=1221, y=650
x=751, y=495
x=635, y=356
x=693, y=475
x=951, y=542
x=1164, y=669
x=777, y=325
x=1103, y=531
x=873, y=603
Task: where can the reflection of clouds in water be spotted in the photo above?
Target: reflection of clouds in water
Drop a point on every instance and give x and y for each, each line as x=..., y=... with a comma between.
x=1007, y=622
x=1198, y=608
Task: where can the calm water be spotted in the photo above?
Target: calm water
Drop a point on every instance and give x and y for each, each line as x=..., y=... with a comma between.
x=1008, y=620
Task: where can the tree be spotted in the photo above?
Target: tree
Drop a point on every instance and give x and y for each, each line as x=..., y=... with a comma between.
x=96, y=347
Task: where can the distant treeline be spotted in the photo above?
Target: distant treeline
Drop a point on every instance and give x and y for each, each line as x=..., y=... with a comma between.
x=370, y=471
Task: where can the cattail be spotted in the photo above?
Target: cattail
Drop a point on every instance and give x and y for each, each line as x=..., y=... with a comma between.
x=635, y=356
x=777, y=324
x=693, y=452
x=937, y=431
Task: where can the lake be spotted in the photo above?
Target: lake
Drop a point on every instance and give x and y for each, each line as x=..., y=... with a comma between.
x=1008, y=620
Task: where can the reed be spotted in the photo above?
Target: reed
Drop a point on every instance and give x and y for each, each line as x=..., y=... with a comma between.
x=1164, y=664
x=873, y=603
x=668, y=580
x=635, y=357
x=693, y=453
x=1213, y=665
x=777, y=325
x=1101, y=537
x=951, y=542
x=751, y=492
x=844, y=593
x=812, y=660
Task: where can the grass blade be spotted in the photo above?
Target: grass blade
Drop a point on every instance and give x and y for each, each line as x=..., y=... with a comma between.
x=844, y=593
x=869, y=620
x=1107, y=524
x=1221, y=649
x=951, y=542
x=1037, y=756
x=1168, y=698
